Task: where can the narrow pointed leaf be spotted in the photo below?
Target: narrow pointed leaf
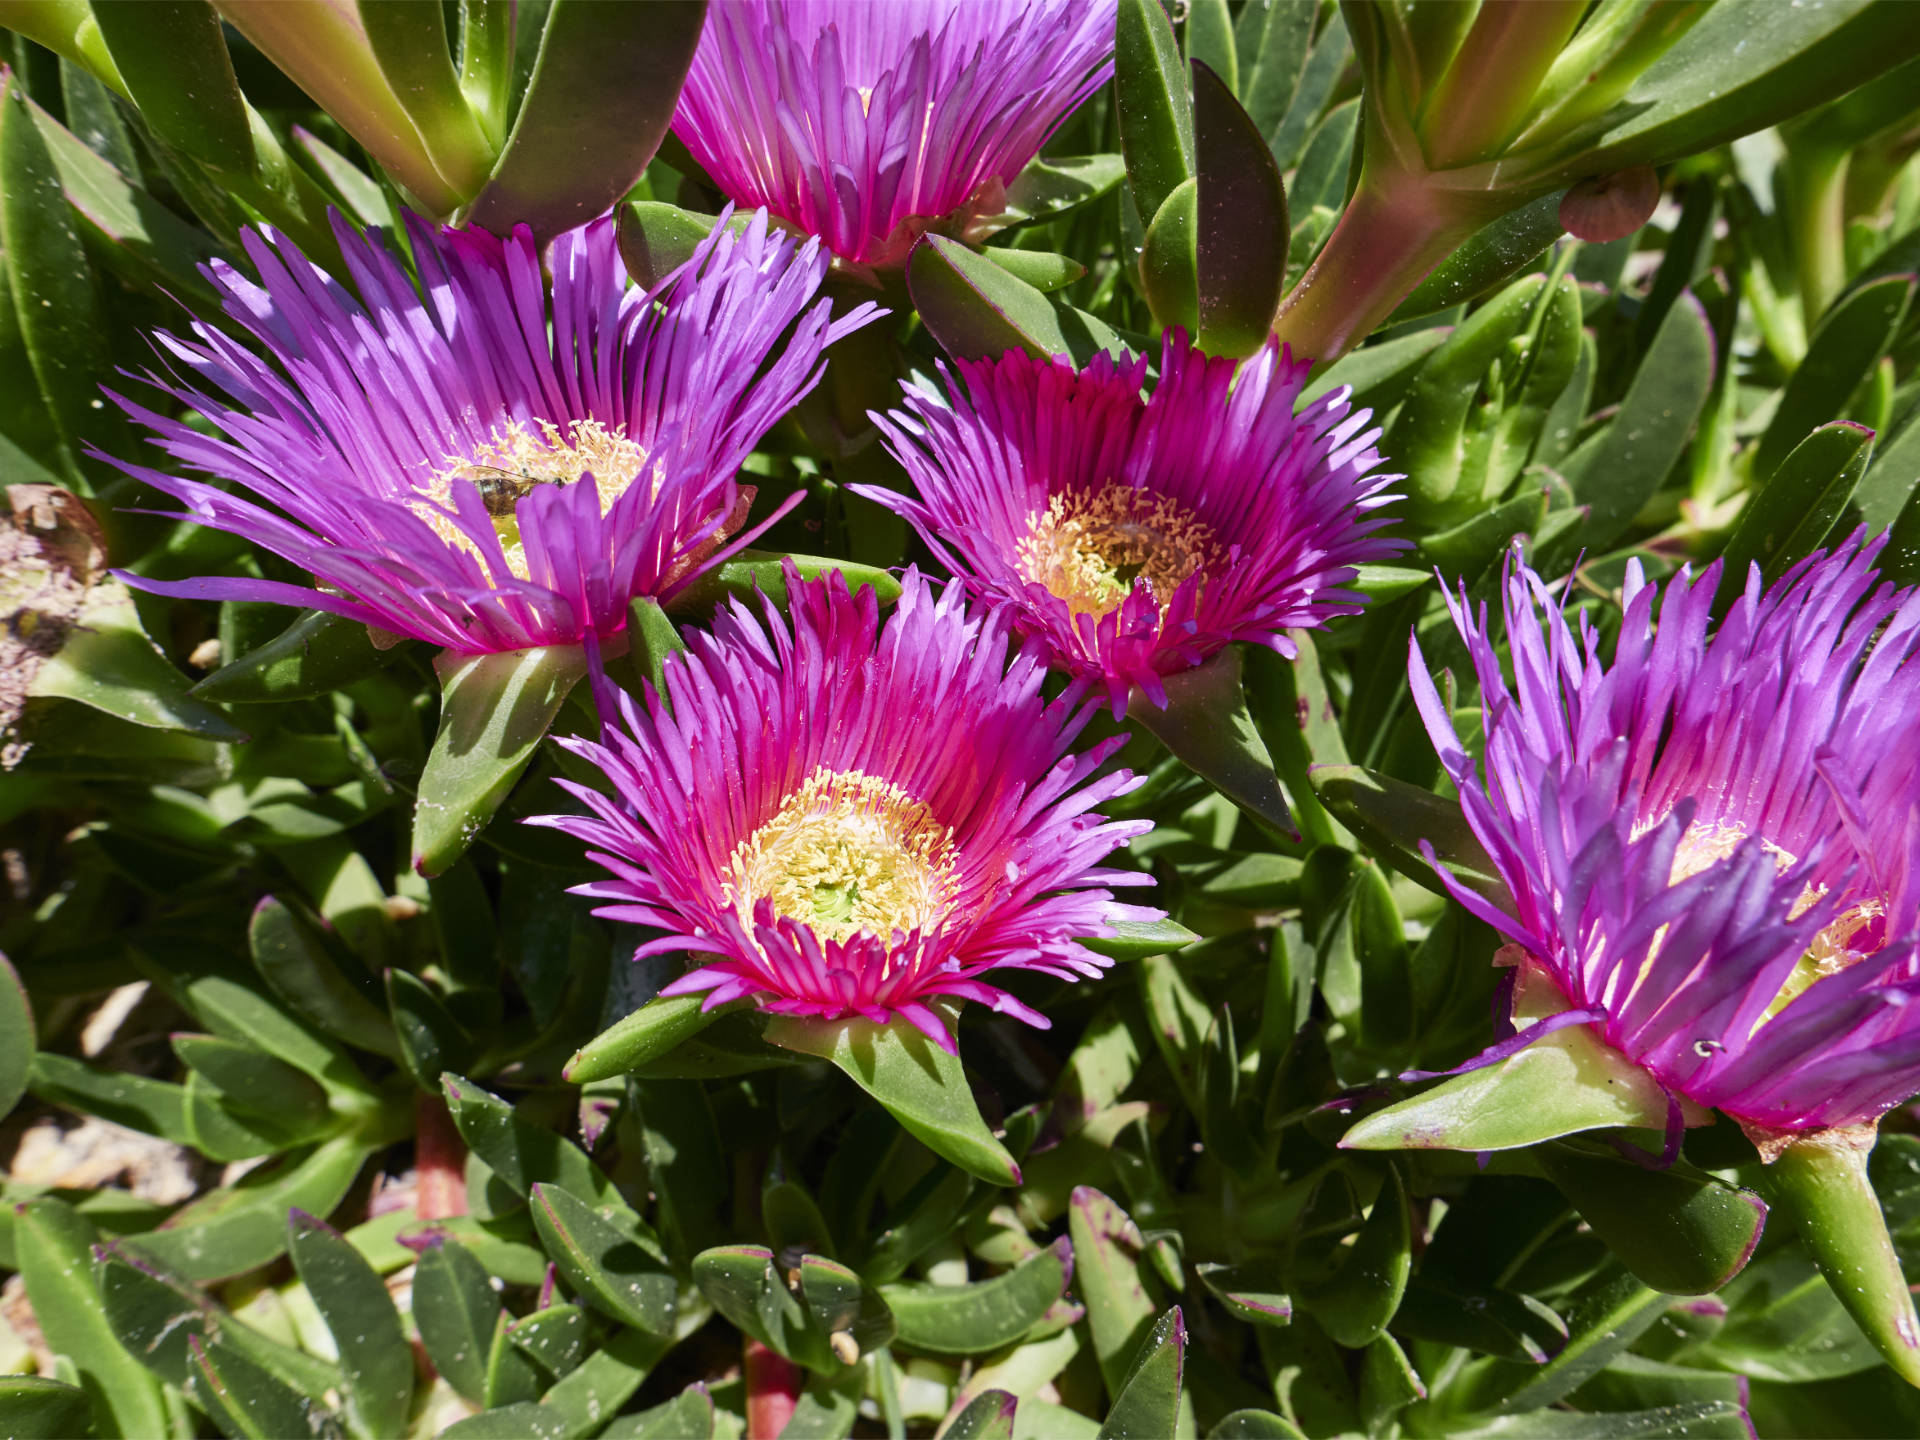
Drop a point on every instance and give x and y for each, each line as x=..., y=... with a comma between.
x=108, y=662
x=1150, y=91
x=1052, y=186
x=599, y=103
x=173, y=59
x=1106, y=1253
x=1169, y=273
x=1790, y=516
x=456, y=1308
x=1820, y=1185
x=251, y=1080
x=1206, y=723
x=1042, y=269
x=1489, y=258
x=36, y=1408
x=1242, y=230
x=795, y=1310
x=1677, y=1229
x=1137, y=939
x=648, y=1033
x=1253, y=1290
x=919, y=1083
x=988, y=1416
x=16, y=1037
x=1355, y=1304
x=411, y=45
x=1847, y=345
x=521, y=1153
x=610, y=1259
x=1606, y=1316
x=976, y=309
x=975, y=1319
x=353, y=1300
x=317, y=654
x=54, y=1247
x=555, y=1336
x=291, y=955
x=431, y=1041
x=1148, y=1402
x=494, y=712
x=247, y=1401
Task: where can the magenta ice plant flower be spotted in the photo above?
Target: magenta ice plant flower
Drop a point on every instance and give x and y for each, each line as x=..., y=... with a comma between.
x=486, y=461
x=1137, y=537
x=1713, y=842
x=841, y=817
x=869, y=122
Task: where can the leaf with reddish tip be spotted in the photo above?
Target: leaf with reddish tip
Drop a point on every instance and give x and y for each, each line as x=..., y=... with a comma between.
x=598, y=105
x=1148, y=1402
x=1254, y=1291
x=1206, y=723
x=1242, y=231
x=922, y=1085
x=989, y=1416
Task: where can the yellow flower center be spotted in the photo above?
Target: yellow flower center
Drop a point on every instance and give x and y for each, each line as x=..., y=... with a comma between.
x=848, y=852
x=1090, y=549
x=1706, y=845
x=514, y=461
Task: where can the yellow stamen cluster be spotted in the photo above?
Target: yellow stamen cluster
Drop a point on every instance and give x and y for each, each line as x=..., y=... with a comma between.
x=1090, y=548
x=848, y=852
x=1706, y=845
x=515, y=460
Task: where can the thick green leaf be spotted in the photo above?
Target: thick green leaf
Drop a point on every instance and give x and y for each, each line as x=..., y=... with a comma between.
x=1106, y=1251
x=1354, y=1304
x=494, y=712
x=1791, y=515
x=248, y=1402
x=430, y=1039
x=1847, y=345
x=920, y=1084
x=1150, y=92
x=521, y=1153
x=1242, y=230
x=598, y=104
x=457, y=1310
x=1393, y=817
x=144, y=240
x=1607, y=1315
x=1148, y=1400
x=976, y=309
x=1561, y=1084
x=512, y=1377
x=656, y=239
x=1044, y=270
x=1254, y=1290
x=108, y=662
x=1893, y=475
x=1388, y=1383
x=1820, y=1185
x=753, y=573
x=688, y=1416
x=1138, y=939
x=292, y=957
x=924, y=1216
x=253, y=1081
x=317, y=654
x=648, y=1033
x=1169, y=260
x=171, y=55
x=1697, y=1420
x=1739, y=69
x=231, y=1230
x=1317, y=80
x=352, y=1299
x=556, y=1337
x=16, y=1037
x=610, y=1258
x=35, y=1408
x=796, y=1310
x=1650, y=431
x=55, y=306
x=1271, y=41
x=410, y=43
x=974, y=1319
x=1255, y=1425
x=1785, y=1324
x=1321, y=179
x=1678, y=1229
x=1056, y=184
x=1497, y=252
x=988, y=1416
x=1380, y=373
x=1206, y=724
x=55, y=1246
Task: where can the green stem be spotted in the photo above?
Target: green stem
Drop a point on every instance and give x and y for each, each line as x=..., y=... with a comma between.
x=1388, y=240
x=1820, y=1184
x=1818, y=211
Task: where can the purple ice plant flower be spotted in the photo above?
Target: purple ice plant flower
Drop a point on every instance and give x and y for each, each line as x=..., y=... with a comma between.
x=847, y=818
x=486, y=461
x=869, y=122
x=1712, y=843
x=1139, y=537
